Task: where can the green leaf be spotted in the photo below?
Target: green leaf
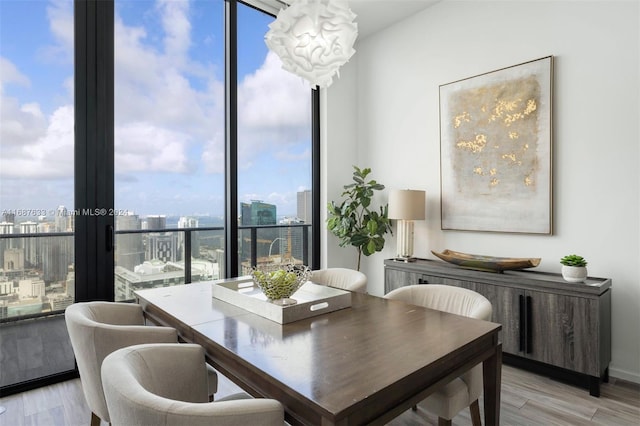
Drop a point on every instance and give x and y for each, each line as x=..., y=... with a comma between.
x=371, y=248
x=372, y=227
x=354, y=221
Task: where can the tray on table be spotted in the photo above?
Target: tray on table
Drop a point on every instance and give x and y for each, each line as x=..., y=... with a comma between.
x=312, y=300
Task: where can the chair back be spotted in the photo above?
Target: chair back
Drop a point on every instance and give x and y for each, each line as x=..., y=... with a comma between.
x=165, y=384
x=462, y=391
x=98, y=328
x=455, y=300
x=343, y=278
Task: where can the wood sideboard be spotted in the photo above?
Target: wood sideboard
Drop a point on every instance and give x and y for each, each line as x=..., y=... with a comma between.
x=549, y=325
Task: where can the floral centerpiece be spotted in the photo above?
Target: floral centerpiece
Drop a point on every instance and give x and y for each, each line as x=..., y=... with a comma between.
x=281, y=284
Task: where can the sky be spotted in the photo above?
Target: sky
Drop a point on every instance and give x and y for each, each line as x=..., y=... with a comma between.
x=169, y=116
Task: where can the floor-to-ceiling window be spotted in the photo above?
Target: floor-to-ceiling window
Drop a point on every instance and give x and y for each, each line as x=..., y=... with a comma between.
x=168, y=143
x=274, y=142
x=148, y=204
x=36, y=186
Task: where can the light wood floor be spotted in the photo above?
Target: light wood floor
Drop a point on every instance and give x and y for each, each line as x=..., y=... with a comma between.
x=527, y=399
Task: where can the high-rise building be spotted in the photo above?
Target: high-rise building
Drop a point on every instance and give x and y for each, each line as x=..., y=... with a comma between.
x=291, y=241
x=71, y=283
x=163, y=247
x=62, y=219
x=6, y=228
x=28, y=228
x=189, y=222
x=30, y=245
x=31, y=287
x=129, y=247
x=219, y=256
x=13, y=259
x=257, y=213
x=57, y=255
x=304, y=207
x=9, y=217
x=155, y=222
x=6, y=286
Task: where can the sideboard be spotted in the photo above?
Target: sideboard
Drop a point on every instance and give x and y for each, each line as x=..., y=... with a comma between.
x=549, y=325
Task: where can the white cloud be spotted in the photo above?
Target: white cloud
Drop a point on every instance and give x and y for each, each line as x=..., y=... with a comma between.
x=50, y=156
x=21, y=125
x=177, y=27
x=273, y=98
x=34, y=145
x=274, y=113
x=148, y=147
x=213, y=154
x=167, y=105
x=9, y=73
x=154, y=91
x=294, y=156
x=60, y=15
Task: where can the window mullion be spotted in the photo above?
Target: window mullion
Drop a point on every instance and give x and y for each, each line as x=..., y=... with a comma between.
x=231, y=138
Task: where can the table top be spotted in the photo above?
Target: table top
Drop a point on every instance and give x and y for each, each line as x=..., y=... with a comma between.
x=333, y=364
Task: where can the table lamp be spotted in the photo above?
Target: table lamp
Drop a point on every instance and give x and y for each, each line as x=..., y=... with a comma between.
x=406, y=205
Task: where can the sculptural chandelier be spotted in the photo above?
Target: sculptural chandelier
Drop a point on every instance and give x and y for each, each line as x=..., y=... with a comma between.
x=314, y=38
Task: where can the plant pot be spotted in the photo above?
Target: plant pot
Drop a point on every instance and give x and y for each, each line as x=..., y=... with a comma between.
x=574, y=274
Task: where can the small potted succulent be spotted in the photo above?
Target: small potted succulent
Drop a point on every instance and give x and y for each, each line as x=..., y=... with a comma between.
x=574, y=268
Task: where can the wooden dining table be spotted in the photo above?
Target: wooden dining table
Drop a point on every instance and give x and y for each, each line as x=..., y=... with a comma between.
x=364, y=364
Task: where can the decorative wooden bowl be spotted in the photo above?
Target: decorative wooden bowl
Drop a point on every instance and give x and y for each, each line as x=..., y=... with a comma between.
x=486, y=263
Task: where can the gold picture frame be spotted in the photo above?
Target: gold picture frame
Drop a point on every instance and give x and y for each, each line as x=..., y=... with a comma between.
x=495, y=150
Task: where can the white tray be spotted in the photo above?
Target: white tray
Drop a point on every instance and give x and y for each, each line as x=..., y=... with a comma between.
x=312, y=299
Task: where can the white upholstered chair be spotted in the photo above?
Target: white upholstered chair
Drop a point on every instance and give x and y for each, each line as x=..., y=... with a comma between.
x=98, y=328
x=463, y=391
x=165, y=384
x=344, y=278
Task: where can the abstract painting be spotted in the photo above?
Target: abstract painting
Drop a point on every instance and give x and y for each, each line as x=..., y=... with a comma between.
x=495, y=150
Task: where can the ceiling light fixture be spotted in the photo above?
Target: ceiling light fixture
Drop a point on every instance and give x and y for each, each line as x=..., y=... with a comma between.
x=314, y=38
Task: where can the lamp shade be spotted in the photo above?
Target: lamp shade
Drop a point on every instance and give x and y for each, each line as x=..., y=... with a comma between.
x=314, y=38
x=406, y=204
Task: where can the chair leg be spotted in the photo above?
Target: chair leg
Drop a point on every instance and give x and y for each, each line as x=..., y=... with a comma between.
x=414, y=408
x=474, y=408
x=95, y=420
x=444, y=422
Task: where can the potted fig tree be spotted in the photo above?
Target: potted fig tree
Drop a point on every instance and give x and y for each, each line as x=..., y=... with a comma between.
x=574, y=268
x=355, y=221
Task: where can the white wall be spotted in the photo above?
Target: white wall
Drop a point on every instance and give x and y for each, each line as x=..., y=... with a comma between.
x=383, y=113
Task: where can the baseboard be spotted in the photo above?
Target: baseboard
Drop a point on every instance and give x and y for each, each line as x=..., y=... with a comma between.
x=556, y=373
x=567, y=376
x=38, y=383
x=624, y=375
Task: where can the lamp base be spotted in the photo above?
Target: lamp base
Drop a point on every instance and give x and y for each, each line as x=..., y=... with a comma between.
x=405, y=259
x=405, y=241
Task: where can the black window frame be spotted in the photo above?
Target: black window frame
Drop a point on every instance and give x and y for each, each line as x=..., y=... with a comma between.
x=94, y=60
x=94, y=148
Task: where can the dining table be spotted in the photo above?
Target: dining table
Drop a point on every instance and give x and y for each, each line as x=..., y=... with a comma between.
x=363, y=364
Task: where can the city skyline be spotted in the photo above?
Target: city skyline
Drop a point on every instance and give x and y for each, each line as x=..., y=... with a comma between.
x=21, y=218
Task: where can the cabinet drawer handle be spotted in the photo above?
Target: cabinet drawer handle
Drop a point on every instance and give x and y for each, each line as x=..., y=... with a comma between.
x=529, y=326
x=522, y=323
